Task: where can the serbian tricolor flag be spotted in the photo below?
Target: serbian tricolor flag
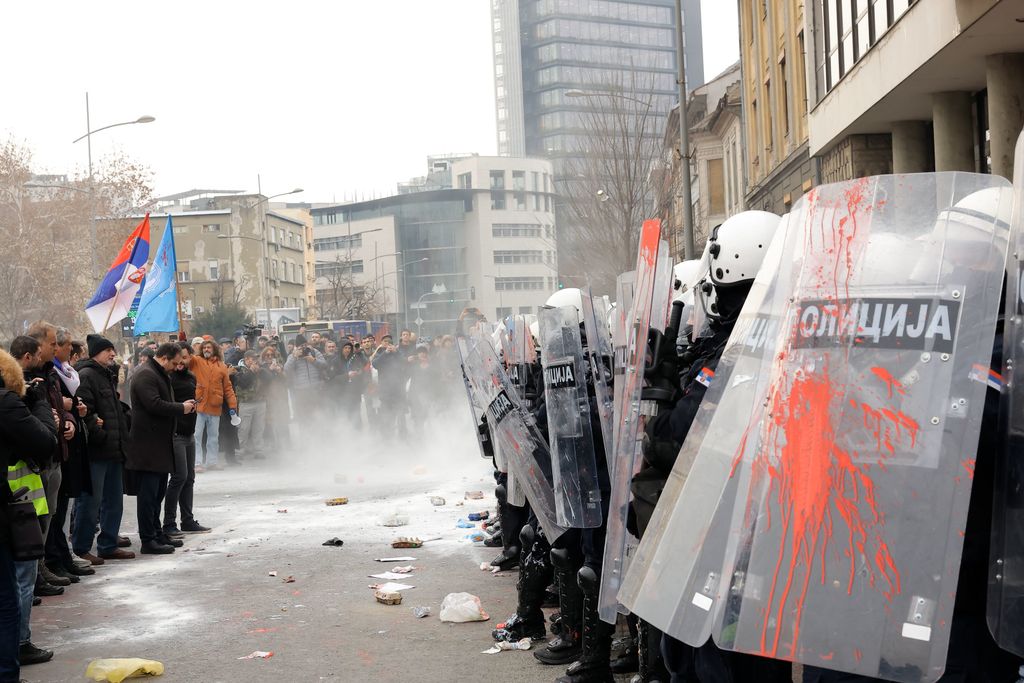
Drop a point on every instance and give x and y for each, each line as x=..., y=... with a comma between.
x=113, y=299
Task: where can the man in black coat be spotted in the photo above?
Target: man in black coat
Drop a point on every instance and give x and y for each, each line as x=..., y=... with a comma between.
x=108, y=439
x=151, y=442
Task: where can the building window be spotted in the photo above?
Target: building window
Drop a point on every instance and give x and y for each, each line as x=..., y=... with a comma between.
x=536, y=202
x=337, y=243
x=503, y=312
x=515, y=230
x=526, y=310
x=213, y=227
x=516, y=284
x=498, y=200
x=337, y=268
x=519, y=180
x=518, y=256
x=214, y=268
x=520, y=198
x=716, y=187
x=273, y=268
x=785, y=96
x=185, y=275
x=466, y=181
x=547, y=203
x=497, y=180
x=180, y=230
x=536, y=182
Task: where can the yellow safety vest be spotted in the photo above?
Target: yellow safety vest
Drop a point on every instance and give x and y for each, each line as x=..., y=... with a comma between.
x=19, y=475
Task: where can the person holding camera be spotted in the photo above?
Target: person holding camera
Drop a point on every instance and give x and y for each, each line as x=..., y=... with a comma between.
x=392, y=374
x=305, y=369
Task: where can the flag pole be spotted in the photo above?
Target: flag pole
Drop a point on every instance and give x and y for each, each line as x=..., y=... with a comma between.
x=177, y=289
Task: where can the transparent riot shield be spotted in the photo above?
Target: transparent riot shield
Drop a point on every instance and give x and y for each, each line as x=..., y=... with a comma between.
x=1006, y=570
x=599, y=354
x=851, y=491
x=669, y=589
x=570, y=433
x=649, y=292
x=515, y=431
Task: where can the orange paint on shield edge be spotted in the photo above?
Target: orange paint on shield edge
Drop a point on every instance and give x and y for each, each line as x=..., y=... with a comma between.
x=890, y=382
x=968, y=465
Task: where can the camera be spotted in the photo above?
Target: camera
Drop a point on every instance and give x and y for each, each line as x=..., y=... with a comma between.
x=307, y=352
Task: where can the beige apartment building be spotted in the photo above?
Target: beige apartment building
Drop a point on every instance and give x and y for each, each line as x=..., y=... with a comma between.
x=231, y=247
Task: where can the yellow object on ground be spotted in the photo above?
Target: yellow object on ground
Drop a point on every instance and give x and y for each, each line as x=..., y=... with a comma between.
x=116, y=670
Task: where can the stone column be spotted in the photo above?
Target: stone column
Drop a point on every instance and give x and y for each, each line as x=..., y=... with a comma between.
x=911, y=147
x=953, y=131
x=1005, y=76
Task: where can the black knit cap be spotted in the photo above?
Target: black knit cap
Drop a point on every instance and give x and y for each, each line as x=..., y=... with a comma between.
x=97, y=343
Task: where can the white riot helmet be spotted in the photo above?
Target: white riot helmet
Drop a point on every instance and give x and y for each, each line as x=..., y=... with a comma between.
x=736, y=248
x=570, y=296
x=686, y=274
x=535, y=331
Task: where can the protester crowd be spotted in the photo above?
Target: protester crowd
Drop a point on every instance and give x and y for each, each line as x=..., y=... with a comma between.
x=81, y=427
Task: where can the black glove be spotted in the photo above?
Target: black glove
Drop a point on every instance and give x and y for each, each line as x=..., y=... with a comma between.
x=659, y=453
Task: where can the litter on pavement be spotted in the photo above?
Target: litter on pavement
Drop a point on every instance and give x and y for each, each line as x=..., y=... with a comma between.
x=391, y=587
x=436, y=500
x=404, y=570
x=504, y=646
x=463, y=524
x=420, y=612
x=336, y=542
x=479, y=516
x=271, y=573
x=388, y=597
x=116, y=670
x=396, y=520
x=258, y=654
x=336, y=501
x=459, y=608
x=404, y=542
x=395, y=559
x=475, y=495
x=390, y=576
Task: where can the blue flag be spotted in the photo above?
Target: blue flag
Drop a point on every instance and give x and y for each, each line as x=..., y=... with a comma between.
x=158, y=309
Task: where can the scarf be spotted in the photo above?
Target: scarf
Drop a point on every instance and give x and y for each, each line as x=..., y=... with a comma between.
x=68, y=375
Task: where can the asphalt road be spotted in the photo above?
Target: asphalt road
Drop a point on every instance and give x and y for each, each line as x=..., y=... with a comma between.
x=201, y=609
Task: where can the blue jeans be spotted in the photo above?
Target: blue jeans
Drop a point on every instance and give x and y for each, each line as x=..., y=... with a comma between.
x=26, y=573
x=108, y=488
x=210, y=426
x=10, y=617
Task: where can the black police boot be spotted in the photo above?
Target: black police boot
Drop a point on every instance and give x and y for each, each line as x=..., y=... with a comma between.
x=568, y=645
x=628, y=660
x=511, y=523
x=534, y=576
x=592, y=666
x=652, y=666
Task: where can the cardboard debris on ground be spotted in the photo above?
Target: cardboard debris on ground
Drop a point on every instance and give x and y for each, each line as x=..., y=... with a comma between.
x=505, y=646
x=436, y=500
x=404, y=570
x=391, y=587
x=336, y=501
x=390, y=576
x=396, y=520
x=395, y=559
x=388, y=598
x=474, y=495
x=336, y=542
x=258, y=654
x=404, y=542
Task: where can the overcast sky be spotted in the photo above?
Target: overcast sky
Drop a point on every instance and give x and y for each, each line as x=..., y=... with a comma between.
x=335, y=97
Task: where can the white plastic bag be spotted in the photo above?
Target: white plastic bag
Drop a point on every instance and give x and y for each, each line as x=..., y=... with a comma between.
x=462, y=607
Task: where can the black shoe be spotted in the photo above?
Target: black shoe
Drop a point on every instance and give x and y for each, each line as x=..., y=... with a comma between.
x=47, y=590
x=30, y=654
x=36, y=601
x=508, y=559
x=534, y=576
x=592, y=666
x=494, y=541
x=124, y=542
x=156, y=548
x=173, y=532
x=567, y=646
x=46, y=576
x=62, y=573
x=74, y=570
x=194, y=527
x=173, y=542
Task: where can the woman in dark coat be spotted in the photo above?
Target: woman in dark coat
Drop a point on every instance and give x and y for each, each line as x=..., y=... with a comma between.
x=151, y=443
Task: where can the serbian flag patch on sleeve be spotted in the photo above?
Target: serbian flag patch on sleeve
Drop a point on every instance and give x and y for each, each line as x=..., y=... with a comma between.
x=988, y=376
x=705, y=376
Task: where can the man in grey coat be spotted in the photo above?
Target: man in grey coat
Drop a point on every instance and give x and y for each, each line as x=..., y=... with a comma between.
x=305, y=369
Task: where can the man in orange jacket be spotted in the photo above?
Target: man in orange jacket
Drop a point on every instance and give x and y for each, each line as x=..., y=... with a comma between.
x=213, y=390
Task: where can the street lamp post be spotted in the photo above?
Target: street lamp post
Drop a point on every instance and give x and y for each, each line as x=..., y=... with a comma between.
x=405, y=290
x=686, y=196
x=92, y=186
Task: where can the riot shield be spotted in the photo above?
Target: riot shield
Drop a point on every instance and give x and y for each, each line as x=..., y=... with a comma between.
x=851, y=490
x=570, y=434
x=651, y=295
x=598, y=351
x=1006, y=570
x=669, y=588
x=515, y=431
